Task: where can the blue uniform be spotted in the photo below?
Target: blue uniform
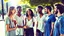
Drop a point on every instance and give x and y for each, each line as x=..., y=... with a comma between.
x=49, y=20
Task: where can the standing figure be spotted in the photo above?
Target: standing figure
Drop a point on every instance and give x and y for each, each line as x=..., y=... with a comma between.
x=29, y=23
x=50, y=19
x=20, y=22
x=10, y=22
x=40, y=22
x=59, y=24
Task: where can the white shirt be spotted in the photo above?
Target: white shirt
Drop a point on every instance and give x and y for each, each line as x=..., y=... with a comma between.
x=41, y=23
x=29, y=23
x=19, y=31
x=19, y=20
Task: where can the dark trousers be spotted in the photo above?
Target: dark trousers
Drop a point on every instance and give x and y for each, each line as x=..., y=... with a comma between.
x=29, y=32
x=39, y=33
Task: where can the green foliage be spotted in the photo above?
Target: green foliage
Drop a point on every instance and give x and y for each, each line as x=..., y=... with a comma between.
x=24, y=8
x=42, y=2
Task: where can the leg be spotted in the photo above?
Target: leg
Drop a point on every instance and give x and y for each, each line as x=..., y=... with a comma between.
x=27, y=32
x=39, y=33
x=31, y=32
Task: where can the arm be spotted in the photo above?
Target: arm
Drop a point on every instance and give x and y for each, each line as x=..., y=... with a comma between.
x=8, y=25
x=52, y=24
x=24, y=24
x=21, y=26
x=9, y=29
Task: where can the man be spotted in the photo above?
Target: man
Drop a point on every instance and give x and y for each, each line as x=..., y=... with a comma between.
x=60, y=21
x=40, y=21
x=50, y=19
x=56, y=31
x=19, y=18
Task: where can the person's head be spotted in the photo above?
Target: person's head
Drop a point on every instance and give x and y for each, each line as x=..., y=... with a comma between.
x=48, y=9
x=19, y=9
x=29, y=13
x=40, y=8
x=11, y=11
x=59, y=9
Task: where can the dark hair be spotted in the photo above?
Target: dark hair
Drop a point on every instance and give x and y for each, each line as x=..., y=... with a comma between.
x=40, y=7
x=19, y=7
x=62, y=1
x=32, y=14
x=60, y=7
x=49, y=7
x=10, y=10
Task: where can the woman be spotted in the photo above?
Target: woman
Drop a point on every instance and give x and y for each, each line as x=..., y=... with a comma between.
x=29, y=21
x=10, y=22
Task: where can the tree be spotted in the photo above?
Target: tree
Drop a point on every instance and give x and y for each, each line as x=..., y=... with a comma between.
x=42, y=2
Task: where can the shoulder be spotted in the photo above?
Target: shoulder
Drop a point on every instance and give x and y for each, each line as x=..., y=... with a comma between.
x=62, y=18
x=7, y=18
x=52, y=16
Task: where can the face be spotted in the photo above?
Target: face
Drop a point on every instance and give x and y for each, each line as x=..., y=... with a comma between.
x=38, y=9
x=46, y=10
x=19, y=10
x=55, y=10
x=57, y=13
x=28, y=12
x=14, y=11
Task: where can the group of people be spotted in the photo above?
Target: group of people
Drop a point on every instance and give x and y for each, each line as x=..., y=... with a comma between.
x=47, y=23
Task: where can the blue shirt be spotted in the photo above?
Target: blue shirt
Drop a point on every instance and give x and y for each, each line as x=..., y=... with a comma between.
x=56, y=28
x=61, y=24
x=49, y=20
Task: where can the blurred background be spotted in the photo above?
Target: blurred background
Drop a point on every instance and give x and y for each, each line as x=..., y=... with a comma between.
x=5, y=4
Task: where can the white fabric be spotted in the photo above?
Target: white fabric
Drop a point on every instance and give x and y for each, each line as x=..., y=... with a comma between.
x=41, y=23
x=30, y=23
x=19, y=31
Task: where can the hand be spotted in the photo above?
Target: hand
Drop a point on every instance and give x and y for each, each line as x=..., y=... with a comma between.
x=15, y=28
x=24, y=27
x=51, y=33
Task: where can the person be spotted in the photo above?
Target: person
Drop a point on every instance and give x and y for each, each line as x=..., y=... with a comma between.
x=40, y=22
x=50, y=19
x=11, y=22
x=29, y=23
x=60, y=20
x=20, y=22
